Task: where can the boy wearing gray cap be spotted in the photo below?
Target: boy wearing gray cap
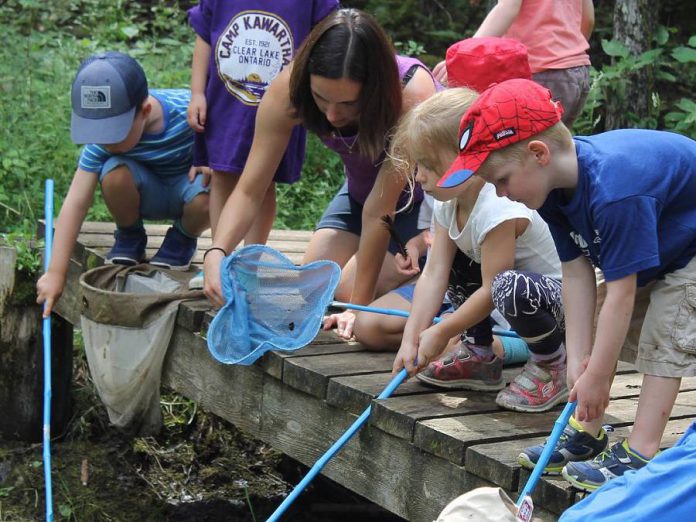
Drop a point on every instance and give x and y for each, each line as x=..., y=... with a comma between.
x=138, y=147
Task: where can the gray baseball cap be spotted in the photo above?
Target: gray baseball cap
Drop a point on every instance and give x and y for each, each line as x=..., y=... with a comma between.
x=106, y=92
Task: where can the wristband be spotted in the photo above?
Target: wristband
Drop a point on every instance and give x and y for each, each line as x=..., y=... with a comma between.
x=214, y=248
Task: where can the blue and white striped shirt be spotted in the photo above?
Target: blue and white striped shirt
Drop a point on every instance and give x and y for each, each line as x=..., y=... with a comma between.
x=167, y=153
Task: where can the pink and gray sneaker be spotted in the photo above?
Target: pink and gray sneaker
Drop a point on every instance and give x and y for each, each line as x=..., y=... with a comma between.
x=536, y=388
x=464, y=370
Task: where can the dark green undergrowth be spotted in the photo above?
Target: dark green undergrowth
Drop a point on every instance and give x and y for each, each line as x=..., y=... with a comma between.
x=100, y=475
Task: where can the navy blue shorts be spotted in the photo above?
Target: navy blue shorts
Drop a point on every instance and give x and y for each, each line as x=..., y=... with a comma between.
x=344, y=213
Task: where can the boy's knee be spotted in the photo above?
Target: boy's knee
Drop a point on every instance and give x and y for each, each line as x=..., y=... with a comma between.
x=117, y=174
x=114, y=167
x=199, y=203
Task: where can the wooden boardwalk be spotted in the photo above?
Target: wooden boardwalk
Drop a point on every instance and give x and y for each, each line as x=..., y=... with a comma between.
x=421, y=448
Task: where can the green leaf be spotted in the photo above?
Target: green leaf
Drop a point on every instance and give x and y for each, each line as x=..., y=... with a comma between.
x=65, y=510
x=684, y=54
x=614, y=48
x=662, y=35
x=665, y=76
x=130, y=31
x=686, y=105
x=692, y=41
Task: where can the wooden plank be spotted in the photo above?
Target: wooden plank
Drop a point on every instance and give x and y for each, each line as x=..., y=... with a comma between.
x=190, y=314
x=388, y=471
x=230, y=391
x=399, y=416
x=450, y=437
x=105, y=227
x=101, y=241
x=354, y=393
x=273, y=362
x=311, y=374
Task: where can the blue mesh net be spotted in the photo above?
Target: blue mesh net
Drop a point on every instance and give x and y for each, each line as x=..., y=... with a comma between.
x=270, y=304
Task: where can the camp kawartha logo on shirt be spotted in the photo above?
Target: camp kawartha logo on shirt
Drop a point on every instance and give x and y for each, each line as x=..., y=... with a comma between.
x=251, y=51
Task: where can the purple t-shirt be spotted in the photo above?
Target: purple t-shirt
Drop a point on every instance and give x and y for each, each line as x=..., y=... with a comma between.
x=361, y=172
x=251, y=41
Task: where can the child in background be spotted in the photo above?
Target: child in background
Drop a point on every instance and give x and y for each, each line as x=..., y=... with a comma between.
x=488, y=252
x=556, y=34
x=139, y=150
x=623, y=202
x=241, y=46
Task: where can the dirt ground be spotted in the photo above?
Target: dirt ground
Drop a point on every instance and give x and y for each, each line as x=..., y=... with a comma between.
x=199, y=468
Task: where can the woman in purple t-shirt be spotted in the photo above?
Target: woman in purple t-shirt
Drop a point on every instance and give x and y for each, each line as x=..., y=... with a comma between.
x=347, y=86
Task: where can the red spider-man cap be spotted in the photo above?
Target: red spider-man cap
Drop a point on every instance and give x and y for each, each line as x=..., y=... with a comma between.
x=505, y=113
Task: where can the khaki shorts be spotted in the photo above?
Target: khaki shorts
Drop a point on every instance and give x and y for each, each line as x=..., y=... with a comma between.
x=661, y=339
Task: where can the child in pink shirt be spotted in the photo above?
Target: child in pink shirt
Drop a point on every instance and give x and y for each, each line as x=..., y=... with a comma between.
x=556, y=34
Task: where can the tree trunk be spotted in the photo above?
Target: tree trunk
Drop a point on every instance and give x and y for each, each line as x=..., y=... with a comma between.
x=635, y=23
x=21, y=359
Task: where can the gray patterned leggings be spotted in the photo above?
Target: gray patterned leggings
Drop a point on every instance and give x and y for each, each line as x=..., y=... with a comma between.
x=530, y=302
x=532, y=305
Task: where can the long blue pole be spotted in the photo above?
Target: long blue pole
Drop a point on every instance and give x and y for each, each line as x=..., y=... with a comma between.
x=558, y=428
x=402, y=313
x=319, y=464
x=48, y=235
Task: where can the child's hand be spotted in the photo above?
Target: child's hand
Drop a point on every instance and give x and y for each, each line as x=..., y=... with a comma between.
x=197, y=112
x=591, y=391
x=407, y=266
x=200, y=171
x=416, y=247
x=343, y=323
x=431, y=344
x=49, y=288
x=406, y=357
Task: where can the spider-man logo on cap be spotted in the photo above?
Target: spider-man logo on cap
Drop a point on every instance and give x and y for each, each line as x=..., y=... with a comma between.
x=505, y=113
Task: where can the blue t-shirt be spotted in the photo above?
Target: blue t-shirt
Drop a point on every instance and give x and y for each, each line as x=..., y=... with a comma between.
x=634, y=207
x=167, y=153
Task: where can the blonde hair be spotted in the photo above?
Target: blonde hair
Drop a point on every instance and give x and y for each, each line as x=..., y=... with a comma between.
x=557, y=137
x=429, y=128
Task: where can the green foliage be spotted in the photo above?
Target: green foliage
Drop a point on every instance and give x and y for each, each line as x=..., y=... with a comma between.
x=46, y=40
x=28, y=252
x=409, y=48
x=301, y=205
x=667, y=60
x=437, y=25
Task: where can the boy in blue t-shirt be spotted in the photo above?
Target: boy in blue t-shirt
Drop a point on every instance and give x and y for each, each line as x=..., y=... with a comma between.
x=139, y=149
x=622, y=201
